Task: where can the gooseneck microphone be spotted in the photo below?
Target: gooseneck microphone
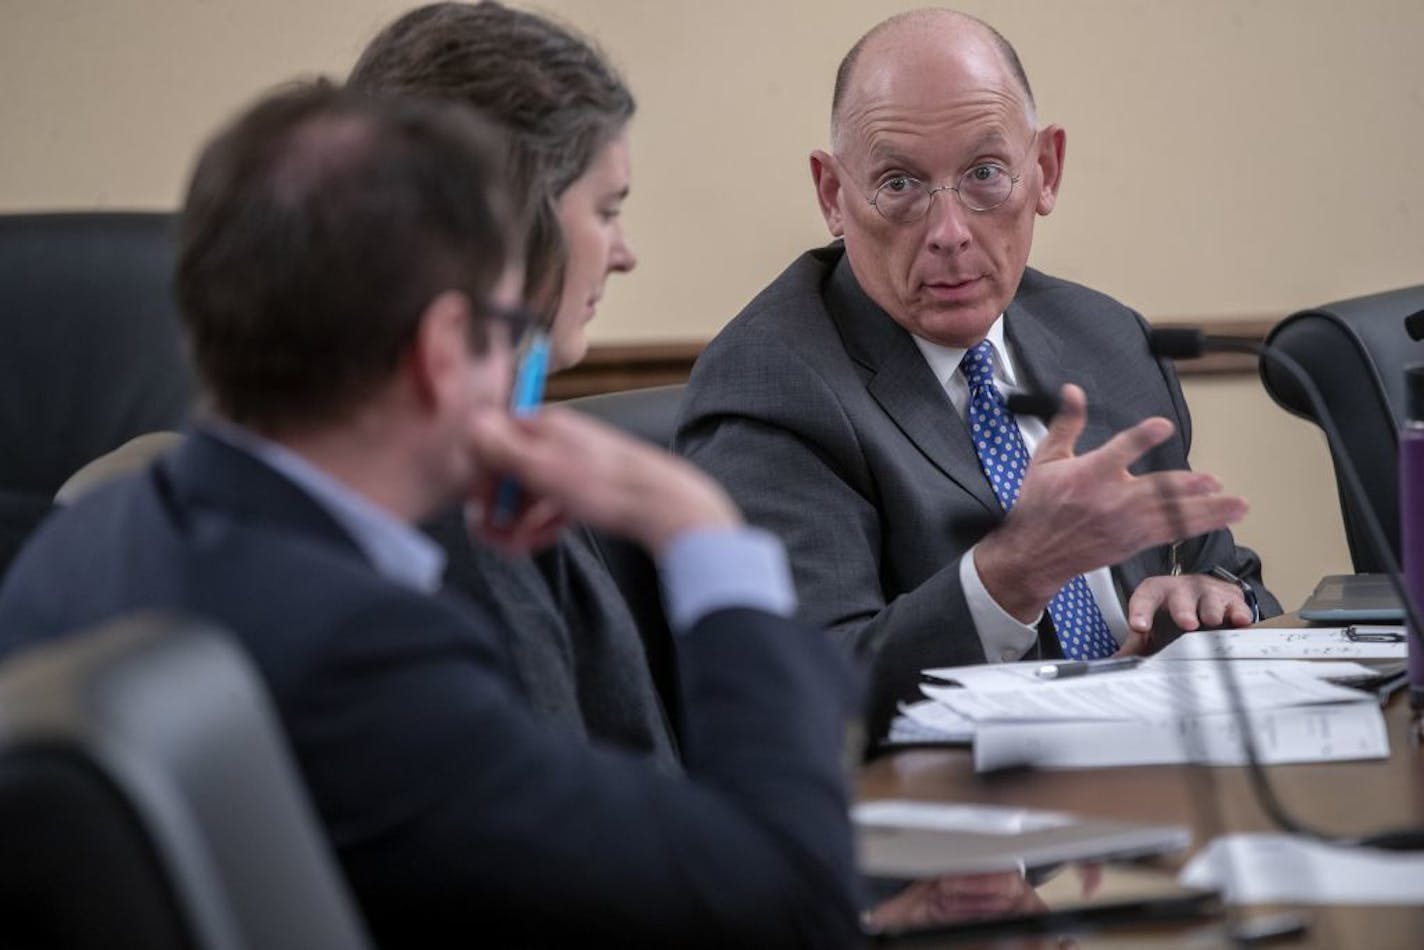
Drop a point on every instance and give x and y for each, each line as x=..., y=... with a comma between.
x=1414, y=325
x=1042, y=405
x=1178, y=344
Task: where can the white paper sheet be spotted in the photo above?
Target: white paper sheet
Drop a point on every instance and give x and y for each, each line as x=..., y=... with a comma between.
x=1264, y=869
x=1319, y=669
x=1280, y=643
x=990, y=676
x=1197, y=689
x=1325, y=733
x=938, y=722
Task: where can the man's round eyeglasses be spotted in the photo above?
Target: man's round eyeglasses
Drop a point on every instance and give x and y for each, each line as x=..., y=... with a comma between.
x=904, y=199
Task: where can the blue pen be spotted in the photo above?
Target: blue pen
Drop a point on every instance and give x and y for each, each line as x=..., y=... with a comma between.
x=528, y=394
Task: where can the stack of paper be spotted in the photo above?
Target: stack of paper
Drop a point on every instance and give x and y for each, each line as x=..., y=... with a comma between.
x=1151, y=693
x=1290, y=734
x=929, y=722
x=1161, y=712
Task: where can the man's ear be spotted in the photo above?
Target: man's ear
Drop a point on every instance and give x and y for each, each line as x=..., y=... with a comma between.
x=440, y=354
x=1051, y=144
x=828, y=191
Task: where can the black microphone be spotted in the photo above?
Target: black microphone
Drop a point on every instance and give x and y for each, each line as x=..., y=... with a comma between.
x=1178, y=343
x=1414, y=325
x=1187, y=343
x=1042, y=405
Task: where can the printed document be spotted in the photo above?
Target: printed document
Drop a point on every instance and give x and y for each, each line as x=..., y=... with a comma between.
x=1323, y=733
x=1141, y=694
x=1281, y=643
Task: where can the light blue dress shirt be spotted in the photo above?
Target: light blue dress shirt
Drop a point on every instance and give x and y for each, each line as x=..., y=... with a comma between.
x=702, y=571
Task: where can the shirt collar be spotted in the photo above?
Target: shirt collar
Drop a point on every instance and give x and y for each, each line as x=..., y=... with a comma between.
x=398, y=551
x=945, y=360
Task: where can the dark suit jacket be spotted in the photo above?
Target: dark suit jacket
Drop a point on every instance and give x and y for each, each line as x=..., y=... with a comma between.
x=822, y=418
x=457, y=815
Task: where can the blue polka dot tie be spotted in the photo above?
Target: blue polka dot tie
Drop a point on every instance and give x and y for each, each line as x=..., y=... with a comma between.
x=1082, y=631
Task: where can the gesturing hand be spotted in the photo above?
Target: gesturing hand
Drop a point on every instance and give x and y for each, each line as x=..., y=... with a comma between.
x=1076, y=513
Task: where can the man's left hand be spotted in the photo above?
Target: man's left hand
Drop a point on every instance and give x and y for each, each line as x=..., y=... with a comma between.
x=1193, y=601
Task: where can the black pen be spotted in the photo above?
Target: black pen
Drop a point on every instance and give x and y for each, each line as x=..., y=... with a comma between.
x=1067, y=668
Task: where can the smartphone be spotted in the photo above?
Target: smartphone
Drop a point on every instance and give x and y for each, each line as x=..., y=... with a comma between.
x=528, y=394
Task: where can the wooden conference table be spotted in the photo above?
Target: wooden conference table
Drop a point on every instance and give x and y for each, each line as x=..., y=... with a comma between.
x=1347, y=798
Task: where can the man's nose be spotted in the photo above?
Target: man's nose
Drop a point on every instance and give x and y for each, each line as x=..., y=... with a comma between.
x=947, y=227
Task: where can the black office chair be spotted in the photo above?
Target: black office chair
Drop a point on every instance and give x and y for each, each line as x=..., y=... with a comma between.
x=148, y=800
x=1355, y=351
x=91, y=354
x=651, y=415
x=133, y=456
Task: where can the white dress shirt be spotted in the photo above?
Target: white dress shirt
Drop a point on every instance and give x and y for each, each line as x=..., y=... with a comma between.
x=1005, y=638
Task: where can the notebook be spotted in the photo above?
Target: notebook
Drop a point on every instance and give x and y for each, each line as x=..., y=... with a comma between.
x=1353, y=598
x=909, y=839
x=902, y=841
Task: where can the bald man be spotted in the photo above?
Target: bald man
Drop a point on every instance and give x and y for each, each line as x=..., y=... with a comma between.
x=857, y=406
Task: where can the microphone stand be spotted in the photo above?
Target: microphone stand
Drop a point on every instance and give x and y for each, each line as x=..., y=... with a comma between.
x=1190, y=343
x=1204, y=795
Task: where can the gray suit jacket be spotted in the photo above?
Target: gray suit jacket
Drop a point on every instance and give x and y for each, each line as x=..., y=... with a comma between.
x=575, y=647
x=821, y=417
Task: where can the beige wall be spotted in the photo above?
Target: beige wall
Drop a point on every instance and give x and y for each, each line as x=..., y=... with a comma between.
x=1226, y=158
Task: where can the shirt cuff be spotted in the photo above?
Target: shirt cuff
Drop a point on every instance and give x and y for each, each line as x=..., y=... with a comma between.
x=709, y=570
x=1005, y=639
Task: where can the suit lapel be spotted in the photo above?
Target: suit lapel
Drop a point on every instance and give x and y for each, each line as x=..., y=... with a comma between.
x=903, y=385
x=206, y=472
x=1043, y=350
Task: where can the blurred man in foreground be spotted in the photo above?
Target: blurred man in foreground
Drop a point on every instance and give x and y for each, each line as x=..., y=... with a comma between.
x=352, y=301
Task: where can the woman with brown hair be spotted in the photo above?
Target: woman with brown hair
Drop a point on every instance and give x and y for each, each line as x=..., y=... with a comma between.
x=576, y=646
